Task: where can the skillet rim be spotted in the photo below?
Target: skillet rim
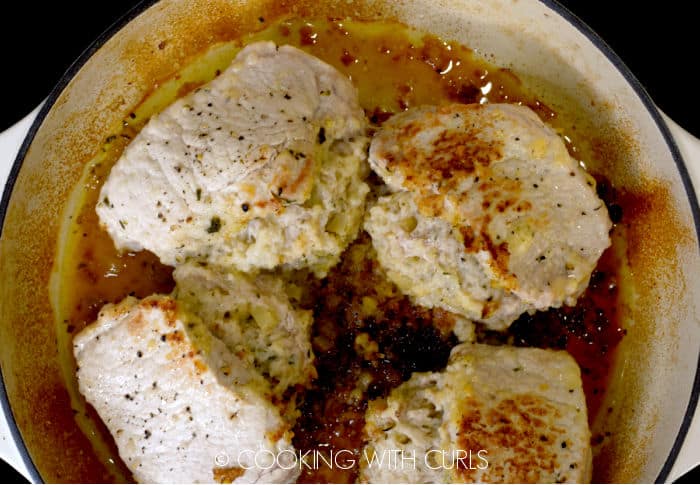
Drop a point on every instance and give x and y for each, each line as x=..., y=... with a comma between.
x=653, y=111
x=554, y=5
x=63, y=81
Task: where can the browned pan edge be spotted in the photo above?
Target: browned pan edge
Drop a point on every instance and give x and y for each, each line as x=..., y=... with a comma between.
x=70, y=73
x=581, y=26
x=643, y=95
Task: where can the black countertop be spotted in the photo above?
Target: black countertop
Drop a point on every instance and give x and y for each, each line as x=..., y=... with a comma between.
x=658, y=42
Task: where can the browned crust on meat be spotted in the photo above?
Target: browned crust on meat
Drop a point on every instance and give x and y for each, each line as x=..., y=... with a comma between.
x=167, y=305
x=228, y=474
x=136, y=324
x=521, y=424
x=453, y=155
x=288, y=189
x=481, y=241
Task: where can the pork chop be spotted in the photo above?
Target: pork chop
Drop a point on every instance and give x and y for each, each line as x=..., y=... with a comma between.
x=254, y=317
x=508, y=193
x=180, y=406
x=494, y=415
x=261, y=167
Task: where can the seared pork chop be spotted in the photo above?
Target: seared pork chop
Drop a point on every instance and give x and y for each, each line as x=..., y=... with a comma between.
x=261, y=167
x=180, y=406
x=518, y=218
x=254, y=317
x=494, y=415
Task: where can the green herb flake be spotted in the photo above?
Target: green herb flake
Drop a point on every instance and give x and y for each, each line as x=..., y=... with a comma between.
x=214, y=225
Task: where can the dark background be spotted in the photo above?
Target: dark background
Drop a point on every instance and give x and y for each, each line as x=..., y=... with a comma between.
x=657, y=40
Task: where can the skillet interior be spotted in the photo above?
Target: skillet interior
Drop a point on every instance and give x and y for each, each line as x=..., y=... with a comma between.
x=662, y=245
